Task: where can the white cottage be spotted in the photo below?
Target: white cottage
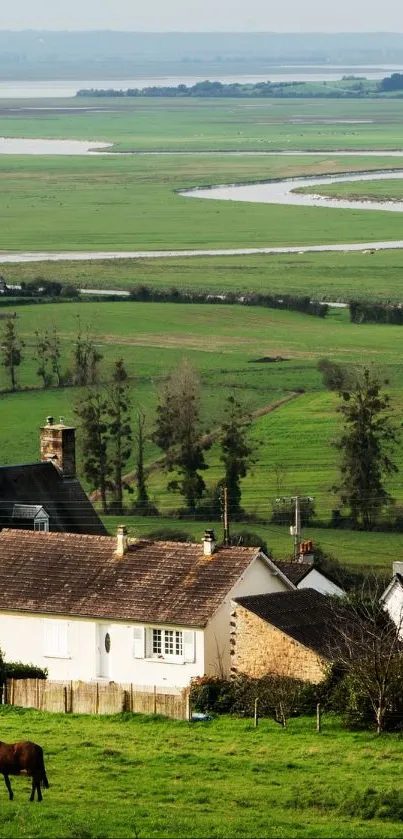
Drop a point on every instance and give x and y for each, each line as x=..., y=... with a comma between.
x=392, y=597
x=98, y=607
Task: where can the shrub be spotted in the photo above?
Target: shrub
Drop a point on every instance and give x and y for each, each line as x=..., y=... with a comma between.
x=18, y=670
x=279, y=697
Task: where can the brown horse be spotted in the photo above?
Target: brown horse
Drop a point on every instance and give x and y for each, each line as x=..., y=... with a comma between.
x=24, y=758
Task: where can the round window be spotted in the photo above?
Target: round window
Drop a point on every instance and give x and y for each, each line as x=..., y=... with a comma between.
x=107, y=642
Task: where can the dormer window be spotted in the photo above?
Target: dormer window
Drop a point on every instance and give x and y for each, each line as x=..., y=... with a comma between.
x=30, y=517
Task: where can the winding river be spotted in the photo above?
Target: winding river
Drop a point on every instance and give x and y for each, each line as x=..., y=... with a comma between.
x=270, y=192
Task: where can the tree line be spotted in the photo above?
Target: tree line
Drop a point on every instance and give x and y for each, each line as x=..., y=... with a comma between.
x=355, y=87
x=83, y=364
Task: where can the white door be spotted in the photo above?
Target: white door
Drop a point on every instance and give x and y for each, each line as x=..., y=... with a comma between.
x=103, y=650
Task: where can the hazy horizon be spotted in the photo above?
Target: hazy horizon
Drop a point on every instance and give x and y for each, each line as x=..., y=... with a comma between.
x=313, y=16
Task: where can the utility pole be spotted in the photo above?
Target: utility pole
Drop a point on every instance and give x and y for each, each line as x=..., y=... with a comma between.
x=224, y=503
x=295, y=529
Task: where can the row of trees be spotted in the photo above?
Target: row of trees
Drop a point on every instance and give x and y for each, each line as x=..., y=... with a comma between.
x=108, y=439
x=83, y=367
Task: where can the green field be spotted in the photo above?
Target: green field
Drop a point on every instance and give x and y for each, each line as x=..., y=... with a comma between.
x=326, y=276
x=292, y=443
x=385, y=190
x=132, y=202
x=217, y=125
x=142, y=777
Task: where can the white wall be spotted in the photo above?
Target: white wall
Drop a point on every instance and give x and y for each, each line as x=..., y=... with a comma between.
x=257, y=579
x=314, y=579
x=22, y=639
x=394, y=604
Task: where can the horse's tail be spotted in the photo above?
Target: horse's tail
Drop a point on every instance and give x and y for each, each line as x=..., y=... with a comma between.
x=41, y=767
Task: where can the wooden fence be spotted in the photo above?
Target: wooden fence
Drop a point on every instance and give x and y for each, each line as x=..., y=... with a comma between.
x=97, y=697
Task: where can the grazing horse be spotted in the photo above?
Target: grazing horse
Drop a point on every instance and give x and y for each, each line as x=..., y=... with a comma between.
x=24, y=758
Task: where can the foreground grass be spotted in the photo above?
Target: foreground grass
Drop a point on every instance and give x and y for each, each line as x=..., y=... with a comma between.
x=142, y=777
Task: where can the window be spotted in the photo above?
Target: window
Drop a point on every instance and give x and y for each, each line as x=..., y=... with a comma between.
x=42, y=524
x=174, y=645
x=55, y=638
x=167, y=642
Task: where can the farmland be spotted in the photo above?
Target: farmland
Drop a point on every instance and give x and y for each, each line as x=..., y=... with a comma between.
x=113, y=202
x=129, y=776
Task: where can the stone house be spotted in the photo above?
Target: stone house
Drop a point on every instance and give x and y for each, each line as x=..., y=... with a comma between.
x=48, y=495
x=284, y=633
x=109, y=608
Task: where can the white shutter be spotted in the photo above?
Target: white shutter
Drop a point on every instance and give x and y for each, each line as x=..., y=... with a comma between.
x=138, y=641
x=55, y=638
x=189, y=646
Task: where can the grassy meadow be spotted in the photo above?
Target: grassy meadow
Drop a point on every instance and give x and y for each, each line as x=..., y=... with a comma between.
x=335, y=276
x=132, y=202
x=211, y=125
x=292, y=443
x=128, y=776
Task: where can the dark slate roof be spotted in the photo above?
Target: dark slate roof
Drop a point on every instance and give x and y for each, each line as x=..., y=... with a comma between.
x=154, y=582
x=42, y=484
x=295, y=571
x=304, y=614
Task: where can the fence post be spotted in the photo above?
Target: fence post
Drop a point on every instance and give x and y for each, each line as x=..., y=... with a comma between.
x=188, y=710
x=71, y=697
x=256, y=716
x=131, y=698
x=318, y=718
x=12, y=692
x=38, y=704
x=97, y=698
x=155, y=699
x=65, y=699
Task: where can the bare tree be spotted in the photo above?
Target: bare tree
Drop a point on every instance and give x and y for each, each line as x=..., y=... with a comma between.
x=367, y=645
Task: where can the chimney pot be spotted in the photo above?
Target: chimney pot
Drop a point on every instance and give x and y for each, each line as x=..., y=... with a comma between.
x=122, y=541
x=49, y=420
x=209, y=543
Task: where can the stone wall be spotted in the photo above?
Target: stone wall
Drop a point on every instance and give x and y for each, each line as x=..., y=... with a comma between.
x=258, y=648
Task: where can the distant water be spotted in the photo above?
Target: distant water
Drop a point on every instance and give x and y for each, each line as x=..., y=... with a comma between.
x=65, y=89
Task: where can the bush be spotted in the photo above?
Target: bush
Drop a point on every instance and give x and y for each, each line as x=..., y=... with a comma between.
x=164, y=534
x=279, y=697
x=18, y=670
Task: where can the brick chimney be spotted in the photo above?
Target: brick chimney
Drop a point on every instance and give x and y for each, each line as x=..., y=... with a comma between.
x=209, y=543
x=122, y=542
x=58, y=444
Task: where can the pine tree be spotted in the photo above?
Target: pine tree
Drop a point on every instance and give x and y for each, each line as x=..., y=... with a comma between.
x=12, y=352
x=178, y=433
x=119, y=429
x=235, y=453
x=142, y=500
x=365, y=446
x=93, y=413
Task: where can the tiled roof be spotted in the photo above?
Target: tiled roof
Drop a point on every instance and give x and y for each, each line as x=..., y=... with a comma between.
x=78, y=575
x=295, y=571
x=305, y=614
x=42, y=484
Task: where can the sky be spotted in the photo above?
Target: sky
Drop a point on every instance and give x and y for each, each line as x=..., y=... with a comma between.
x=205, y=15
